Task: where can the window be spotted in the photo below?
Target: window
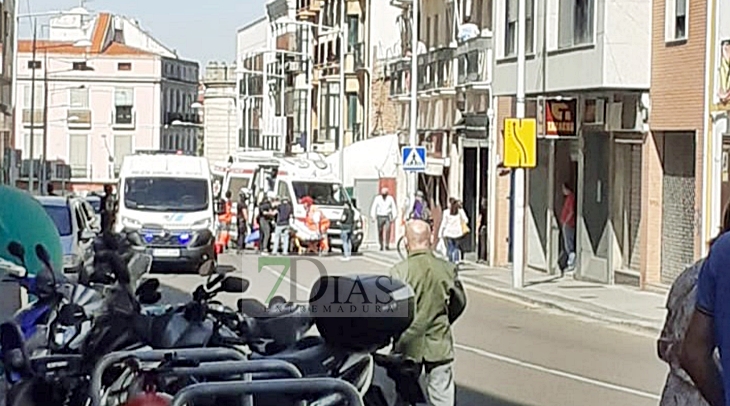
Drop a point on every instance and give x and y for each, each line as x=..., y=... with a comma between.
x=123, y=105
x=79, y=98
x=283, y=191
x=37, y=145
x=167, y=194
x=331, y=108
x=352, y=103
x=576, y=23
x=122, y=147
x=353, y=32
x=427, y=38
x=436, y=40
x=511, y=26
x=676, y=20
x=61, y=216
x=34, y=64
x=124, y=66
x=300, y=108
x=34, y=99
x=80, y=66
x=324, y=194
x=78, y=155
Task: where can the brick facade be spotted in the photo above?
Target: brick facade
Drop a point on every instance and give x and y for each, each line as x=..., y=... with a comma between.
x=677, y=99
x=384, y=113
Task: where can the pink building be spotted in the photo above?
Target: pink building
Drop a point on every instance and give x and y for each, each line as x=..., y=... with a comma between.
x=105, y=99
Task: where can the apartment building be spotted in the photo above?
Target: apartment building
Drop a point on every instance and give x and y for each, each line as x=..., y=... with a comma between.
x=7, y=45
x=220, y=101
x=260, y=125
x=93, y=104
x=330, y=31
x=587, y=82
x=454, y=97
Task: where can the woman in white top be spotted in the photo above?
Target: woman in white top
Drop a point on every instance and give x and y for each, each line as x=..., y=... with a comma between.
x=453, y=228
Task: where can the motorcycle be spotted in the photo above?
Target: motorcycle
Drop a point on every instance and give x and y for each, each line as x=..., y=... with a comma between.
x=346, y=349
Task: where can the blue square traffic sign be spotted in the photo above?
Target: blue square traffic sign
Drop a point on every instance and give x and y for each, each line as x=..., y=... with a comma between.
x=413, y=159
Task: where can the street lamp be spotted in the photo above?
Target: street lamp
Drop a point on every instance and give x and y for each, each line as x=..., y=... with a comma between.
x=78, y=44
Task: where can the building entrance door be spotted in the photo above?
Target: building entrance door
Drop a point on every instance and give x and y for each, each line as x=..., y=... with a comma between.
x=592, y=234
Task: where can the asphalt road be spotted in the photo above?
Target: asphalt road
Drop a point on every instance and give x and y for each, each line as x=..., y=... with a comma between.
x=507, y=353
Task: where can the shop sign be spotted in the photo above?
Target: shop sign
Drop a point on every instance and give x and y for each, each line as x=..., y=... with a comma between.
x=560, y=118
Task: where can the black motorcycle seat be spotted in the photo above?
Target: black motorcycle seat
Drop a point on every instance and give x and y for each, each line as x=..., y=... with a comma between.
x=311, y=355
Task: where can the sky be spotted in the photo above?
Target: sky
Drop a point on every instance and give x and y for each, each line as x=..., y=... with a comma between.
x=199, y=30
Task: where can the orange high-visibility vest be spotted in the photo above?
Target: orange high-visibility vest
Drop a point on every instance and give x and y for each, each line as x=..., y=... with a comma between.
x=324, y=222
x=227, y=216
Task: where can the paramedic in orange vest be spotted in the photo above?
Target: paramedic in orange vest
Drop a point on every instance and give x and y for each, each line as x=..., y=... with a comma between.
x=317, y=222
x=224, y=220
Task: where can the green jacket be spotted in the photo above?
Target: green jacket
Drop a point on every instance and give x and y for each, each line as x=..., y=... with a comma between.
x=429, y=339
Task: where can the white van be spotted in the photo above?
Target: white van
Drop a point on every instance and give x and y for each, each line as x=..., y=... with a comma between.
x=166, y=205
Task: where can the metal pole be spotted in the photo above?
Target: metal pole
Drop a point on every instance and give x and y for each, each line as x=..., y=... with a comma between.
x=31, y=171
x=343, y=50
x=518, y=194
x=413, y=122
x=282, y=95
x=44, y=174
x=309, y=136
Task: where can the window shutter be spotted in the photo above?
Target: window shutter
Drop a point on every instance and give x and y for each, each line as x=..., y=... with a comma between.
x=79, y=98
x=512, y=10
x=681, y=8
x=124, y=97
x=78, y=154
x=122, y=148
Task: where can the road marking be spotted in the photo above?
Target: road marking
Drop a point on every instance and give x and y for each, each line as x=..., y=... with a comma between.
x=288, y=279
x=555, y=372
x=512, y=361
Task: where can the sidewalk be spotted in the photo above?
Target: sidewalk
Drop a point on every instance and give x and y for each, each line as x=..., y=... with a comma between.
x=617, y=304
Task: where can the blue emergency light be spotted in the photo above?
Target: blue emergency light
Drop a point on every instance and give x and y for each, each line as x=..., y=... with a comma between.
x=184, y=238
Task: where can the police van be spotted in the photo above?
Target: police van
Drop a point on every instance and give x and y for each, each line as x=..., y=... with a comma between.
x=166, y=206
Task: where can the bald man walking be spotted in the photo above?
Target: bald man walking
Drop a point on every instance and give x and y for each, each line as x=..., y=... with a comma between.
x=440, y=300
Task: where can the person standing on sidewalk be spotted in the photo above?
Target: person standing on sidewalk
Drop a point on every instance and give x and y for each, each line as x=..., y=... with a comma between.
x=567, y=222
x=347, y=224
x=441, y=300
x=242, y=218
x=709, y=325
x=284, y=213
x=383, y=212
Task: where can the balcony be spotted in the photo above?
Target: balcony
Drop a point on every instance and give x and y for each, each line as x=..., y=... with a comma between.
x=442, y=65
x=78, y=118
x=475, y=60
x=308, y=8
x=399, y=73
x=34, y=115
x=124, y=117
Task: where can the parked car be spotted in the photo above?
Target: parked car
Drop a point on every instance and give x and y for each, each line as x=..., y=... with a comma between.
x=75, y=223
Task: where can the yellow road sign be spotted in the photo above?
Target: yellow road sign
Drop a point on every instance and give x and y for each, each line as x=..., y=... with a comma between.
x=520, y=143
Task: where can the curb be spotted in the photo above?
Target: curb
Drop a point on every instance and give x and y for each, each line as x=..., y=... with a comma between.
x=643, y=326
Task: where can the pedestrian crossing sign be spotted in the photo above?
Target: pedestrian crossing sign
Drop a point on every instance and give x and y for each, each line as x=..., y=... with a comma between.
x=413, y=159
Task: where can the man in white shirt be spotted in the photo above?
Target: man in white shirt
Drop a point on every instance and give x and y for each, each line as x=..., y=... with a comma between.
x=383, y=212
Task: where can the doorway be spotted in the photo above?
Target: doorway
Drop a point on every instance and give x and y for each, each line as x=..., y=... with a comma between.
x=592, y=237
x=364, y=192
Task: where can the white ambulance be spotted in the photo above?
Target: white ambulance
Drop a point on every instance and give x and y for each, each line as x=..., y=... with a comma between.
x=166, y=206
